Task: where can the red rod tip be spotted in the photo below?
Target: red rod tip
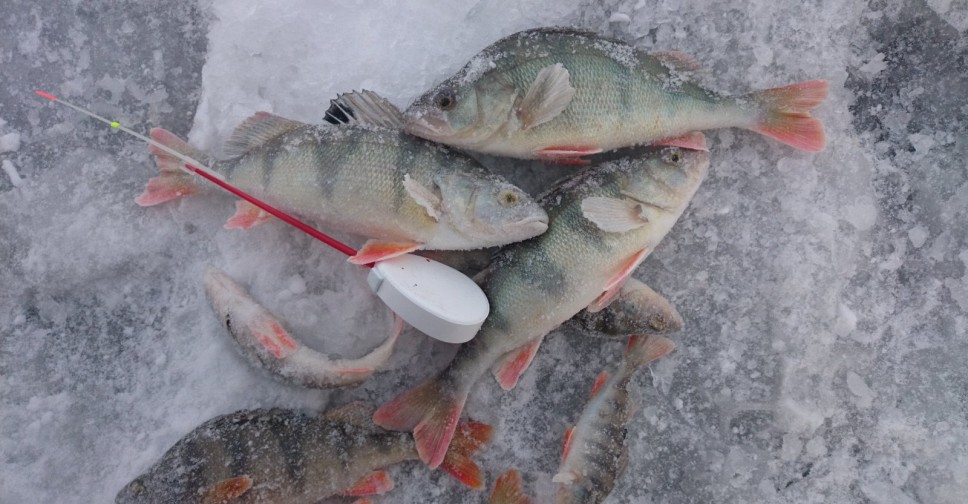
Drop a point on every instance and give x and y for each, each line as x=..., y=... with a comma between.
x=46, y=95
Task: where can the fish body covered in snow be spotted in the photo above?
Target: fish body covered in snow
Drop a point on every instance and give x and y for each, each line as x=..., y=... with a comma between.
x=557, y=94
x=594, y=453
x=603, y=222
x=266, y=344
x=401, y=192
x=282, y=456
x=636, y=309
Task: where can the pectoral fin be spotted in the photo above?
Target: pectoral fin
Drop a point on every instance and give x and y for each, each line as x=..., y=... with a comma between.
x=226, y=490
x=379, y=250
x=612, y=214
x=547, y=97
x=424, y=197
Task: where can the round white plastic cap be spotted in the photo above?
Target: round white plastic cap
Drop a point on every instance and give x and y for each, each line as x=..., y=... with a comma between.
x=436, y=299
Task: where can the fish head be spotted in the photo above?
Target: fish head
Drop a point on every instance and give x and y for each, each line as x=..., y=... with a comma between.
x=463, y=112
x=487, y=210
x=675, y=168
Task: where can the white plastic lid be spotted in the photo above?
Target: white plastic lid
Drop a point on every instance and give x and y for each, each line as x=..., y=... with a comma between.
x=436, y=299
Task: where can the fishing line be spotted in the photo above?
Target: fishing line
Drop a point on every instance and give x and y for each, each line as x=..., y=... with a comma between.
x=194, y=166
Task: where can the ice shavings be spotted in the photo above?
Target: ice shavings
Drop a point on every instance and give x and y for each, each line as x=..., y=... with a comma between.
x=11, y=172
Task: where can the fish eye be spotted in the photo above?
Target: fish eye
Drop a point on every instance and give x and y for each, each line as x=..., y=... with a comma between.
x=136, y=487
x=508, y=198
x=672, y=156
x=446, y=99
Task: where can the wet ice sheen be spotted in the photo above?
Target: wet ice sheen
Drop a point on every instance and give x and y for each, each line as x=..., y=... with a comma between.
x=824, y=295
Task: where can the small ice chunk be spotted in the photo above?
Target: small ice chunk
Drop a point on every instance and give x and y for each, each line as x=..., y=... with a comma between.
x=792, y=446
x=296, y=285
x=763, y=55
x=862, y=214
x=11, y=171
x=882, y=492
x=859, y=388
x=10, y=142
x=619, y=17
x=875, y=66
x=918, y=235
x=816, y=447
x=846, y=321
x=958, y=288
x=922, y=143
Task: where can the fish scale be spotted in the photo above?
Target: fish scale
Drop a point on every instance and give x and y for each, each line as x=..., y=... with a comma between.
x=536, y=285
x=598, y=95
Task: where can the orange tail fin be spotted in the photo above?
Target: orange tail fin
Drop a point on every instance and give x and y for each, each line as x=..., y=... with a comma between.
x=173, y=182
x=786, y=114
x=431, y=410
x=468, y=438
x=507, y=489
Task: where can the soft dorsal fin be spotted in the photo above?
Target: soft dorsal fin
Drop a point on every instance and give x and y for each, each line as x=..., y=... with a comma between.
x=256, y=131
x=363, y=107
x=677, y=61
x=356, y=413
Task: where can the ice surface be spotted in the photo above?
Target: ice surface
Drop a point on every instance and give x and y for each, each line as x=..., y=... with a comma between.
x=825, y=296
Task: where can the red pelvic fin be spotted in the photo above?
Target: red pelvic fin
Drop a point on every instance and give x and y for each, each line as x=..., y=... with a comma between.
x=364, y=500
x=677, y=60
x=599, y=382
x=627, y=269
x=379, y=250
x=226, y=490
x=507, y=489
x=786, y=114
x=694, y=140
x=375, y=483
x=559, y=153
x=513, y=364
x=247, y=216
x=566, y=443
x=468, y=438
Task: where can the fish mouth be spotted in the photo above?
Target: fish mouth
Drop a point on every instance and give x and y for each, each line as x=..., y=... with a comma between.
x=534, y=226
x=431, y=125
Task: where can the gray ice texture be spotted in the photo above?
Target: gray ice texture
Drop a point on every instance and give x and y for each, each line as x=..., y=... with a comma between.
x=825, y=296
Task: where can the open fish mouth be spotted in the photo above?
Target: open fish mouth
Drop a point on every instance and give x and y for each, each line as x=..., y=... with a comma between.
x=427, y=124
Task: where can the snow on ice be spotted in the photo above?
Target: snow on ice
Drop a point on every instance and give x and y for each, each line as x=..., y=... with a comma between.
x=824, y=295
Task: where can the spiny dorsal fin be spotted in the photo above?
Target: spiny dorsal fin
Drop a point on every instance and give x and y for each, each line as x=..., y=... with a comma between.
x=256, y=131
x=363, y=107
x=547, y=97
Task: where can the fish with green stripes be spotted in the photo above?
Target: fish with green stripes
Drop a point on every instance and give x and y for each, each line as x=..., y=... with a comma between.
x=636, y=309
x=559, y=94
x=286, y=457
x=401, y=192
x=594, y=453
x=604, y=221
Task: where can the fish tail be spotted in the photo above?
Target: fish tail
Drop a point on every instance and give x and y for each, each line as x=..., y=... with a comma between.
x=507, y=489
x=469, y=437
x=642, y=350
x=431, y=410
x=173, y=182
x=785, y=114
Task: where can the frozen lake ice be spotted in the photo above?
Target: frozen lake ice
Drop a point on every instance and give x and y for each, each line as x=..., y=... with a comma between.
x=825, y=295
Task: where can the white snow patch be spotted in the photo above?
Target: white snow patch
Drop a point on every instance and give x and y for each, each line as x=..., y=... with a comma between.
x=862, y=214
x=859, y=388
x=918, y=235
x=846, y=321
x=10, y=142
x=619, y=17
x=11, y=172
